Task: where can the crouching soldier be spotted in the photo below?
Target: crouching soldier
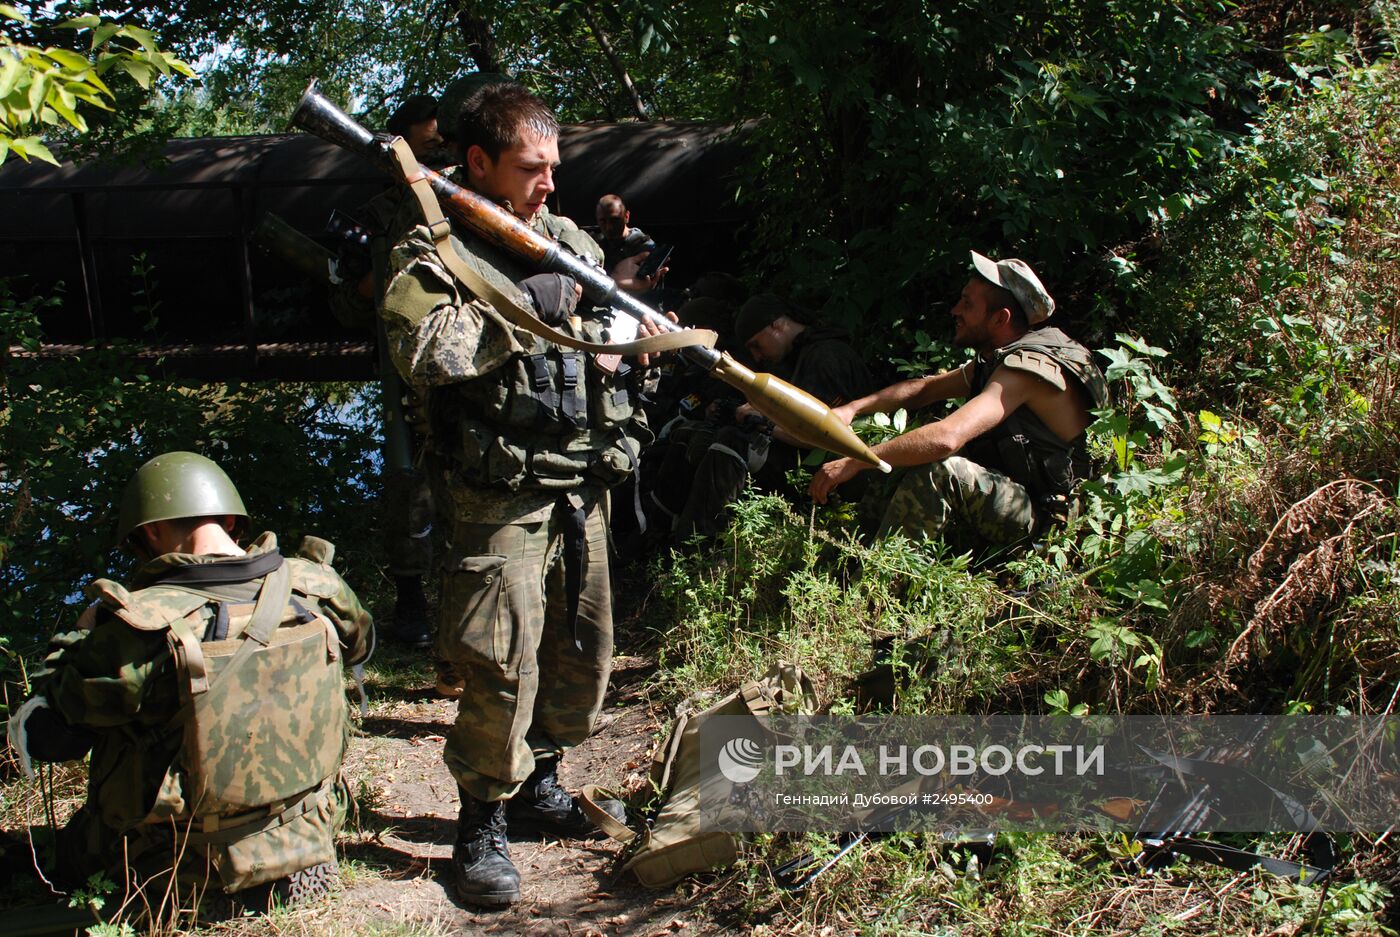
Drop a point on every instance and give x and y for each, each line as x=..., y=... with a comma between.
x=211, y=696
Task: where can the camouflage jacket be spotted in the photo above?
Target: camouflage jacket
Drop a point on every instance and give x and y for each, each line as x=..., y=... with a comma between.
x=506, y=455
x=118, y=681
x=439, y=333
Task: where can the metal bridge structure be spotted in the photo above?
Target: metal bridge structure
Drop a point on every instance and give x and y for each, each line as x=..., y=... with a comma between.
x=158, y=259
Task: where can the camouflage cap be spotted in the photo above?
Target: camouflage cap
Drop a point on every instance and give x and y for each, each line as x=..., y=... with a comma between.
x=174, y=485
x=1017, y=277
x=449, y=111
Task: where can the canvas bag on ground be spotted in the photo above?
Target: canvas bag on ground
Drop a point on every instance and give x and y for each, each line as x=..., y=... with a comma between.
x=676, y=845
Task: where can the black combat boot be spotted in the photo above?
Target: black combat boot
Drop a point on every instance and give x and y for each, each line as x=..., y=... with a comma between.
x=481, y=866
x=411, y=612
x=543, y=807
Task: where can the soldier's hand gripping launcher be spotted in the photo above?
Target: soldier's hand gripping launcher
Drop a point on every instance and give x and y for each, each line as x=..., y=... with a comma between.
x=797, y=412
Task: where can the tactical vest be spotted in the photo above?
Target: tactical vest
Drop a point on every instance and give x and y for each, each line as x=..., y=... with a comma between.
x=549, y=418
x=1022, y=446
x=262, y=717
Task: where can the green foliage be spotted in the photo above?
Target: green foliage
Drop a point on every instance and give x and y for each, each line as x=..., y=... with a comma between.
x=93, y=893
x=775, y=588
x=106, y=929
x=1048, y=132
x=49, y=87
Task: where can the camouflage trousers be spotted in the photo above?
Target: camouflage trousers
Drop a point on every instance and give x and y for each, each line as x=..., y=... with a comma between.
x=406, y=521
x=966, y=504
x=534, y=682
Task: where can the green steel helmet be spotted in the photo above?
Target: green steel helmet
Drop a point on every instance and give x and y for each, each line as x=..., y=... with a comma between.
x=174, y=485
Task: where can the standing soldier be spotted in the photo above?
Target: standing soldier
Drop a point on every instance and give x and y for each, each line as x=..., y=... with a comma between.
x=211, y=694
x=528, y=438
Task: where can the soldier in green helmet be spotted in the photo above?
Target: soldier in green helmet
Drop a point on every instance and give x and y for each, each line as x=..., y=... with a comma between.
x=210, y=693
x=1002, y=467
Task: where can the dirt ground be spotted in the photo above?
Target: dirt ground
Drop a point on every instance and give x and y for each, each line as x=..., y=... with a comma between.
x=403, y=849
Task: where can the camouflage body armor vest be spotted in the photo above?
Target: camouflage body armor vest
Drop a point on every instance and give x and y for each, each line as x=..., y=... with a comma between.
x=262, y=719
x=549, y=418
x=1022, y=446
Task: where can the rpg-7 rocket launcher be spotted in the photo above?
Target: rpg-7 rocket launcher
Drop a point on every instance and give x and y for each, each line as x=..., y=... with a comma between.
x=797, y=412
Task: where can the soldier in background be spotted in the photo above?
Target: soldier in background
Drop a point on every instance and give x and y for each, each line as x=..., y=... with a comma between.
x=1020, y=443
x=132, y=684
x=406, y=504
x=735, y=445
x=416, y=120
x=625, y=249
x=618, y=239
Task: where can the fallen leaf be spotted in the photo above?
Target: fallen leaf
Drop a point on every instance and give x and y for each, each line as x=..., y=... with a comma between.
x=1120, y=808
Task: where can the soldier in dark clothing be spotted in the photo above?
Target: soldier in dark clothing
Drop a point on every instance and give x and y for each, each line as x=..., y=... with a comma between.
x=1019, y=438
x=734, y=443
x=617, y=237
x=625, y=248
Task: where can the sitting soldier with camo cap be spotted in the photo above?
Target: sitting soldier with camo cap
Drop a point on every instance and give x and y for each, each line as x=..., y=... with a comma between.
x=1001, y=468
x=211, y=696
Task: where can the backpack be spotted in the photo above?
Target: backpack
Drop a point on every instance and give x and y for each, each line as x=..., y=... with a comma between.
x=676, y=844
x=264, y=731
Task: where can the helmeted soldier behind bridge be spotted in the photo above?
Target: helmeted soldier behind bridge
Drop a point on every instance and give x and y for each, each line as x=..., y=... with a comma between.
x=210, y=693
x=406, y=502
x=1003, y=466
x=526, y=438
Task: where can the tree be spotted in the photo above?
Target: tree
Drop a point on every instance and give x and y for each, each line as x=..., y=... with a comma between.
x=51, y=87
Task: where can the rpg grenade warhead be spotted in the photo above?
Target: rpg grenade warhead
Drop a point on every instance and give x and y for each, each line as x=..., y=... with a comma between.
x=175, y=485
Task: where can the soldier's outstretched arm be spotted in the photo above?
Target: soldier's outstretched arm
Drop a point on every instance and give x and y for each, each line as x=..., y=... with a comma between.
x=936, y=441
x=909, y=395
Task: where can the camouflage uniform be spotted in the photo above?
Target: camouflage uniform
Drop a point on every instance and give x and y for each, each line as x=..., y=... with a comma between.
x=723, y=458
x=114, y=684
x=526, y=438
x=1013, y=481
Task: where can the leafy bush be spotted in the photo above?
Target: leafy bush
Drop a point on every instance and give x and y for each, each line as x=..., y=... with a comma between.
x=1052, y=133
x=774, y=587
